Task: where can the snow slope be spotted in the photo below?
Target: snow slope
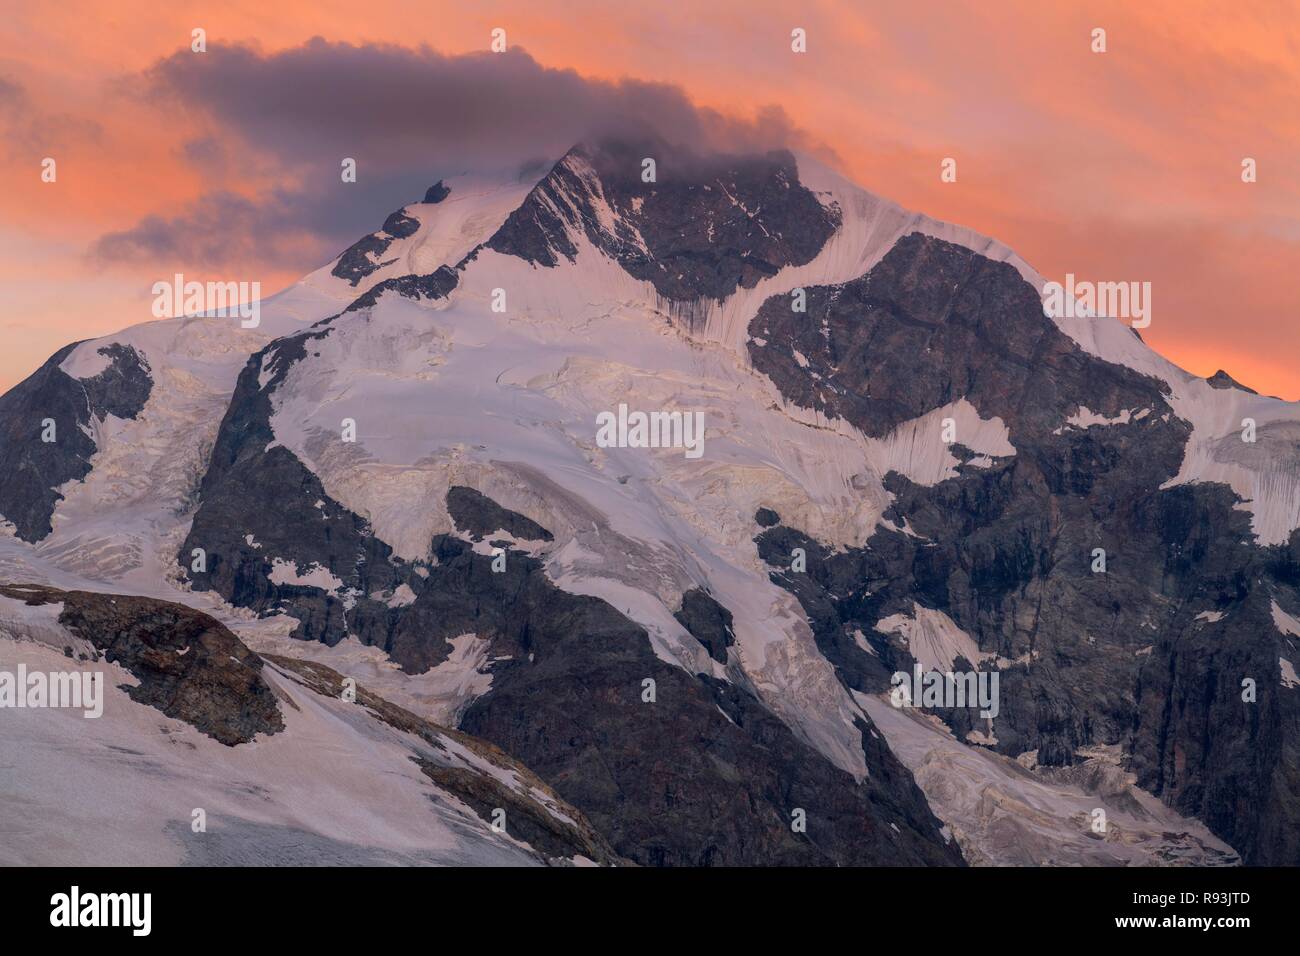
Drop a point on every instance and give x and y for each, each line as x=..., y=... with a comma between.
x=336, y=787
x=1005, y=812
x=330, y=773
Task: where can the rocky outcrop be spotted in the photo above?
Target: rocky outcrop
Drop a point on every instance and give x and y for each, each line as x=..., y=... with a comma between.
x=365, y=256
x=435, y=285
x=479, y=516
x=1213, y=745
x=696, y=772
x=705, y=227
x=935, y=322
x=188, y=665
x=51, y=403
x=708, y=622
x=1222, y=379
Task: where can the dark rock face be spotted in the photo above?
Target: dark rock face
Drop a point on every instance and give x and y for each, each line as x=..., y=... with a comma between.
x=1222, y=379
x=33, y=469
x=363, y=257
x=707, y=226
x=435, y=285
x=190, y=666
x=478, y=516
x=1209, y=752
x=401, y=226
x=1007, y=551
x=437, y=192
x=708, y=622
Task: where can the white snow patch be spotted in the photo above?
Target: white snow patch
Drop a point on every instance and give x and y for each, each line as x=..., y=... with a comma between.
x=86, y=361
x=1284, y=622
x=402, y=596
x=860, y=639
x=933, y=638
x=1086, y=418
x=286, y=572
x=458, y=681
x=916, y=448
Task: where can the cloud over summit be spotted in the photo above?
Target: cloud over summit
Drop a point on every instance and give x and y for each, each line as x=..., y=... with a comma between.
x=280, y=124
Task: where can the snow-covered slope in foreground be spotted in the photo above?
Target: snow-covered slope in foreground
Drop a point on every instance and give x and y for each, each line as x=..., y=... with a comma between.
x=344, y=782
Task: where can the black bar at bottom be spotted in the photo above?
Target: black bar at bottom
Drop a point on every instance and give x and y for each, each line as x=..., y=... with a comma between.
x=338, y=906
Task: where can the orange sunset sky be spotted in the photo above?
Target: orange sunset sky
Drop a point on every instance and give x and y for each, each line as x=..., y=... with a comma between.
x=224, y=165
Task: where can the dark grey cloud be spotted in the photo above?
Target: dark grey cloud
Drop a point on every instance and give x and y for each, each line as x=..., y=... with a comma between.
x=407, y=116
x=26, y=132
x=221, y=228
x=388, y=105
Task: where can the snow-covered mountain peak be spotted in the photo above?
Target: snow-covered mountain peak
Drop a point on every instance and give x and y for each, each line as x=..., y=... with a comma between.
x=430, y=402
